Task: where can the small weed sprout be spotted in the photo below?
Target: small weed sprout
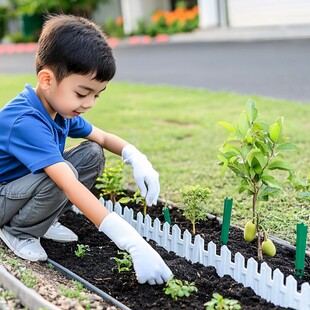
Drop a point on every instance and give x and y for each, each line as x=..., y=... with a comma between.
x=75, y=292
x=110, y=182
x=218, y=302
x=123, y=264
x=2, y=252
x=27, y=277
x=7, y=295
x=137, y=199
x=176, y=288
x=13, y=262
x=81, y=250
x=194, y=200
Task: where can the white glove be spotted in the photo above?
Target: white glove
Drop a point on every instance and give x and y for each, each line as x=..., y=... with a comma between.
x=146, y=177
x=148, y=264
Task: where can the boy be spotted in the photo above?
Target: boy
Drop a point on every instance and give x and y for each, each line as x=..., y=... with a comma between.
x=39, y=180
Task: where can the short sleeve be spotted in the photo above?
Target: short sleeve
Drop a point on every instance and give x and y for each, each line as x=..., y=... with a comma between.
x=32, y=142
x=79, y=127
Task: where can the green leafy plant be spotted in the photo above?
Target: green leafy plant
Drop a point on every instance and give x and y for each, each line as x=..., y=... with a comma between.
x=124, y=263
x=81, y=250
x=253, y=151
x=302, y=186
x=137, y=199
x=176, y=288
x=27, y=277
x=74, y=292
x=218, y=302
x=114, y=27
x=78, y=7
x=7, y=295
x=194, y=203
x=110, y=182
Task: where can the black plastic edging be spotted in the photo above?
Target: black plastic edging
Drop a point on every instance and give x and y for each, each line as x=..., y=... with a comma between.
x=72, y=276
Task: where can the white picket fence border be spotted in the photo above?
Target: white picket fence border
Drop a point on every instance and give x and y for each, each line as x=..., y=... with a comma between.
x=267, y=284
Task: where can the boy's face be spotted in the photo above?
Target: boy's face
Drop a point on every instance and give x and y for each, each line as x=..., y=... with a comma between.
x=73, y=96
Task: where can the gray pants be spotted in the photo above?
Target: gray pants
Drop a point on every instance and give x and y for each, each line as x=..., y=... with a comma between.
x=30, y=204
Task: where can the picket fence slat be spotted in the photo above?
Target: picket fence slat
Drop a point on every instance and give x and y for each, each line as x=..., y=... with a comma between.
x=305, y=295
x=265, y=283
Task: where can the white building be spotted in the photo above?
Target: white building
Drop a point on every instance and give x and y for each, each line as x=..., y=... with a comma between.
x=214, y=13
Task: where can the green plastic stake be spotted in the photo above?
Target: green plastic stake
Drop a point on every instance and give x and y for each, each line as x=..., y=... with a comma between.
x=167, y=215
x=226, y=220
x=301, y=239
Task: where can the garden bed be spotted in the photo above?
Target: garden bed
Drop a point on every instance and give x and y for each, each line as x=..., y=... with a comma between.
x=97, y=266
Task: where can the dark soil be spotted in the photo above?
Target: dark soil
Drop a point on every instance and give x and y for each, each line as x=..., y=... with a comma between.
x=98, y=268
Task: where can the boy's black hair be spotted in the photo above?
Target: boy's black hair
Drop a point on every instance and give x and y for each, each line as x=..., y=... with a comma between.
x=74, y=45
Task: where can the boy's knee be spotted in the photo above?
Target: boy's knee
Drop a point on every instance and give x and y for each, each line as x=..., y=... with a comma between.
x=96, y=154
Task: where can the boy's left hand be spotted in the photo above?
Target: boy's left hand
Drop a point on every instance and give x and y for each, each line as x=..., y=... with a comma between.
x=146, y=177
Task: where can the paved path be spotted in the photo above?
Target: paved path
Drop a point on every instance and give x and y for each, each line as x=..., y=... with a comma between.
x=272, y=62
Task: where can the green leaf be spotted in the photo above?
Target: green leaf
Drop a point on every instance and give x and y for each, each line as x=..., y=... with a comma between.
x=243, y=123
x=251, y=155
x=245, y=185
x=269, y=191
x=275, y=131
x=264, y=198
x=270, y=181
x=125, y=200
x=256, y=160
x=222, y=159
x=261, y=125
x=304, y=196
x=263, y=147
x=287, y=147
x=249, y=137
x=251, y=110
x=280, y=165
x=237, y=171
x=230, y=148
x=228, y=126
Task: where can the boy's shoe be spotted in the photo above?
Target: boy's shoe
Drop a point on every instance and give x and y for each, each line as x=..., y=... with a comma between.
x=29, y=248
x=60, y=233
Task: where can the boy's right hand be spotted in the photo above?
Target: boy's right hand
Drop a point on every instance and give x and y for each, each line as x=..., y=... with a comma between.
x=148, y=264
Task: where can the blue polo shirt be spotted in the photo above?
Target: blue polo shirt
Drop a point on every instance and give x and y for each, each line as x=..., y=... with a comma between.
x=30, y=139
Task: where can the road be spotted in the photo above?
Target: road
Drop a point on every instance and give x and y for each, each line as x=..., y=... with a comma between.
x=277, y=69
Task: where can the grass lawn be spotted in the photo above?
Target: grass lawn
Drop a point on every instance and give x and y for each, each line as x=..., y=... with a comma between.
x=178, y=130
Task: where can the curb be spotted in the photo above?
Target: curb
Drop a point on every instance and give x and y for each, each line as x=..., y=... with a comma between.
x=29, y=297
x=22, y=48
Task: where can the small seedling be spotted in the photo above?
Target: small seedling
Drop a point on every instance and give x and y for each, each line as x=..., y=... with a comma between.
x=123, y=264
x=218, y=302
x=76, y=292
x=176, y=288
x=137, y=199
x=50, y=266
x=27, y=277
x=7, y=295
x=81, y=250
x=110, y=182
x=194, y=200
